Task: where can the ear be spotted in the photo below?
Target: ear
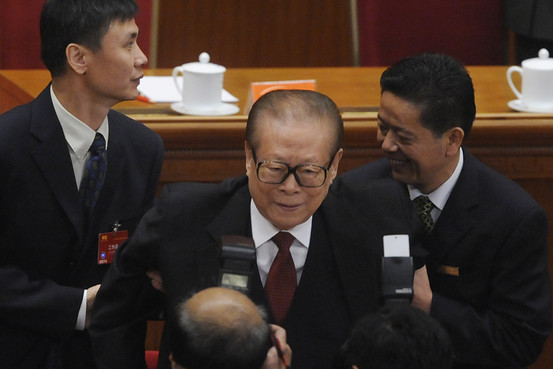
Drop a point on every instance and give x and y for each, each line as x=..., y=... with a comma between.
x=454, y=140
x=333, y=170
x=76, y=56
x=250, y=162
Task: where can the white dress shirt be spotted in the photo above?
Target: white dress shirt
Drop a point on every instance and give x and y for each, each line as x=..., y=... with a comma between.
x=266, y=249
x=441, y=194
x=79, y=136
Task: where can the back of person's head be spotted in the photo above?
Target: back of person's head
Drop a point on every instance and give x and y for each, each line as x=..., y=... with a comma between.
x=219, y=328
x=439, y=85
x=83, y=22
x=398, y=338
x=301, y=104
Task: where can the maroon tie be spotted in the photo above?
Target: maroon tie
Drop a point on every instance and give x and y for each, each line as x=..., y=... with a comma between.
x=281, y=281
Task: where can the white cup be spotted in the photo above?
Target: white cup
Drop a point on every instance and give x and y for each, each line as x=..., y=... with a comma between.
x=537, y=81
x=201, y=84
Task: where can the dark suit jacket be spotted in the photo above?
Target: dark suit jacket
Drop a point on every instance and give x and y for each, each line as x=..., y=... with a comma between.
x=182, y=233
x=498, y=310
x=47, y=259
x=532, y=18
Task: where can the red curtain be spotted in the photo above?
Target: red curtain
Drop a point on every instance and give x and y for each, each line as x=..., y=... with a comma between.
x=471, y=30
x=20, y=35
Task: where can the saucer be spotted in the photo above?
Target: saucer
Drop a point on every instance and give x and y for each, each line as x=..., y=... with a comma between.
x=221, y=109
x=520, y=106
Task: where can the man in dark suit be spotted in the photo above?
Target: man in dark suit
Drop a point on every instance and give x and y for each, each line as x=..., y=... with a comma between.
x=54, y=252
x=486, y=279
x=293, y=149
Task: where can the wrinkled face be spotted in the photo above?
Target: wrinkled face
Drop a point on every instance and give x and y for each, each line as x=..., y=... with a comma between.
x=294, y=142
x=114, y=71
x=416, y=156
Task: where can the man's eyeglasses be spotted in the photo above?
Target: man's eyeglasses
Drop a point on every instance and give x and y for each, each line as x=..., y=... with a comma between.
x=276, y=172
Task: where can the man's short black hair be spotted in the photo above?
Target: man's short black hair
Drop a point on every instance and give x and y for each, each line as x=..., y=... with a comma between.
x=397, y=338
x=83, y=22
x=437, y=84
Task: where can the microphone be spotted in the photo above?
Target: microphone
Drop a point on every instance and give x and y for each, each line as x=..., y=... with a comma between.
x=397, y=271
x=237, y=263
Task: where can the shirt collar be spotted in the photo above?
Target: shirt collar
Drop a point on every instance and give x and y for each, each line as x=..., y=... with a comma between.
x=263, y=230
x=79, y=135
x=440, y=195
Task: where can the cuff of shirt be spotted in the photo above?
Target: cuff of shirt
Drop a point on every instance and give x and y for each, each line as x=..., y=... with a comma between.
x=81, y=318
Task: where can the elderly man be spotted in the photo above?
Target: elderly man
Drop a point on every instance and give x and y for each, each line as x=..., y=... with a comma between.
x=486, y=279
x=318, y=246
x=221, y=328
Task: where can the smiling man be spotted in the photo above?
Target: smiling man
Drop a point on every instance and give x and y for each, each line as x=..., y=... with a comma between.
x=327, y=275
x=73, y=171
x=486, y=279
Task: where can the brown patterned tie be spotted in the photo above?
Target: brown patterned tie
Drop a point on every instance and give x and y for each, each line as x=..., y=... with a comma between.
x=424, y=207
x=281, y=280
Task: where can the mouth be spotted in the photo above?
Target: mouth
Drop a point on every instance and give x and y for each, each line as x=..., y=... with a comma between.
x=137, y=79
x=397, y=162
x=286, y=207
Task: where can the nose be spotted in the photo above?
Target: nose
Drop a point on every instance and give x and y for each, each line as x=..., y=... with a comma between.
x=387, y=142
x=141, y=58
x=290, y=184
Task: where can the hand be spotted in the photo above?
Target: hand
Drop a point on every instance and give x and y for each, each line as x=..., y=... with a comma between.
x=273, y=361
x=422, y=293
x=90, y=298
x=157, y=282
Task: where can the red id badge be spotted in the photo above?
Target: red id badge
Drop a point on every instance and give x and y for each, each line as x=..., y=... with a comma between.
x=108, y=243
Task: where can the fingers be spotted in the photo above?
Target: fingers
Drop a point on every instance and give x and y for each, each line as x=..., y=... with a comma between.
x=157, y=282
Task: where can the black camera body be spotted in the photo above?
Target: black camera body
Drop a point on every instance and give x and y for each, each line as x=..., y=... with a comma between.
x=237, y=262
x=397, y=280
x=397, y=271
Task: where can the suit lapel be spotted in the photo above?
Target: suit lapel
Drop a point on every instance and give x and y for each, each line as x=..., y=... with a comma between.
x=345, y=234
x=235, y=219
x=52, y=157
x=457, y=217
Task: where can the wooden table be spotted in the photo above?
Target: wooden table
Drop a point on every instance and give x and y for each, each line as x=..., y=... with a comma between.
x=520, y=145
x=211, y=148
x=352, y=88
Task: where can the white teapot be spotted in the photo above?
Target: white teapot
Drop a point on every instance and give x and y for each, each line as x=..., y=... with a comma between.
x=200, y=86
x=537, y=83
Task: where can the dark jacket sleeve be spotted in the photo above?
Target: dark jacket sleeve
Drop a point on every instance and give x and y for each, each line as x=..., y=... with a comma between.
x=126, y=298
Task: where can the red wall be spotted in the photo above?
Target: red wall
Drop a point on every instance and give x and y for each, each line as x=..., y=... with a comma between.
x=471, y=30
x=20, y=35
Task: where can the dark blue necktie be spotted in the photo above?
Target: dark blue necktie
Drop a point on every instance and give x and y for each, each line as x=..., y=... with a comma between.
x=94, y=174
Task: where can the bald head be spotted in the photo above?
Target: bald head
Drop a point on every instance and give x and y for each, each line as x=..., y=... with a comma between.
x=224, y=307
x=222, y=328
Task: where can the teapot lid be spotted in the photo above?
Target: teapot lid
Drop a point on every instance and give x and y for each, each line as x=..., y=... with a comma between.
x=543, y=61
x=203, y=66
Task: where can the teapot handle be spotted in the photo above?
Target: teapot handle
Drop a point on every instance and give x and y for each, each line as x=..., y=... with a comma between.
x=176, y=72
x=510, y=71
